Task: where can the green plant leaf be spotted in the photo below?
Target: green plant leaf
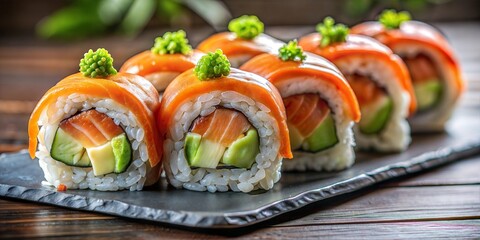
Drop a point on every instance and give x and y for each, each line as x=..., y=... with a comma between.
x=357, y=8
x=137, y=16
x=415, y=5
x=168, y=8
x=112, y=11
x=73, y=22
x=213, y=12
x=84, y=18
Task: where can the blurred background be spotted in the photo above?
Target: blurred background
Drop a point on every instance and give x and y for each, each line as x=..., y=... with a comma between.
x=79, y=19
x=42, y=41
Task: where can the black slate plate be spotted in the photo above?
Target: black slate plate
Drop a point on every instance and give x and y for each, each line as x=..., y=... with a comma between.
x=21, y=178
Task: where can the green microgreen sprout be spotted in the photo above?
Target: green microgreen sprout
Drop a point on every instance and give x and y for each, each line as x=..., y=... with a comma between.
x=171, y=43
x=212, y=65
x=291, y=52
x=97, y=64
x=392, y=19
x=246, y=27
x=331, y=32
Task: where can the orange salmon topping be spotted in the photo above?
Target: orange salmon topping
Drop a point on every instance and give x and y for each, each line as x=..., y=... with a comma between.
x=61, y=187
x=365, y=89
x=306, y=112
x=146, y=63
x=91, y=128
x=223, y=126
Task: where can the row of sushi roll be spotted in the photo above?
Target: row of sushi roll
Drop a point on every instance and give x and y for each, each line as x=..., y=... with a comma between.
x=224, y=116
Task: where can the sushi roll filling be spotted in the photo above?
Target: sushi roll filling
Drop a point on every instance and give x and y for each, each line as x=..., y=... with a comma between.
x=427, y=82
x=92, y=139
x=376, y=106
x=310, y=123
x=222, y=139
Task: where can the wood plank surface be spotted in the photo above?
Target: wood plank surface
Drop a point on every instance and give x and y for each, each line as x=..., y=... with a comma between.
x=398, y=204
x=465, y=172
x=462, y=229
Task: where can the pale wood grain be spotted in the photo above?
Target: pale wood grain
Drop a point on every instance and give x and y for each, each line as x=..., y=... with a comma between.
x=398, y=204
x=464, y=172
x=50, y=222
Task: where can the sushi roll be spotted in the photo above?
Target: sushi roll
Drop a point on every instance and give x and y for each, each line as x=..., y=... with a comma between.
x=244, y=41
x=432, y=64
x=379, y=79
x=170, y=56
x=224, y=129
x=321, y=107
x=96, y=129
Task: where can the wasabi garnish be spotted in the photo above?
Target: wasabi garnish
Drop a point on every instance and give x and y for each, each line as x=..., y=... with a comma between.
x=291, y=52
x=392, y=19
x=246, y=27
x=331, y=32
x=213, y=65
x=97, y=64
x=171, y=43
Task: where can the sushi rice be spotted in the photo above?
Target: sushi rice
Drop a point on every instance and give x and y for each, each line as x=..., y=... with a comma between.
x=56, y=173
x=264, y=172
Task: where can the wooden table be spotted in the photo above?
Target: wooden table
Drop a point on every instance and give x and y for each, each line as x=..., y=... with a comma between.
x=444, y=202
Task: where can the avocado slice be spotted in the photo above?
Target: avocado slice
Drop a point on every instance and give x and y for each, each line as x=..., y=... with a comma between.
x=102, y=159
x=428, y=93
x=376, y=115
x=323, y=137
x=84, y=161
x=66, y=149
x=122, y=151
x=192, y=143
x=242, y=152
x=208, y=154
x=296, y=138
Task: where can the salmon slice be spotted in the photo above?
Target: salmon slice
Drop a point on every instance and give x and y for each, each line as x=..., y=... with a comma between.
x=365, y=89
x=421, y=68
x=105, y=124
x=306, y=112
x=91, y=128
x=223, y=126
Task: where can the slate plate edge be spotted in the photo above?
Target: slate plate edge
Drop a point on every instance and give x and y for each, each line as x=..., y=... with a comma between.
x=246, y=218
